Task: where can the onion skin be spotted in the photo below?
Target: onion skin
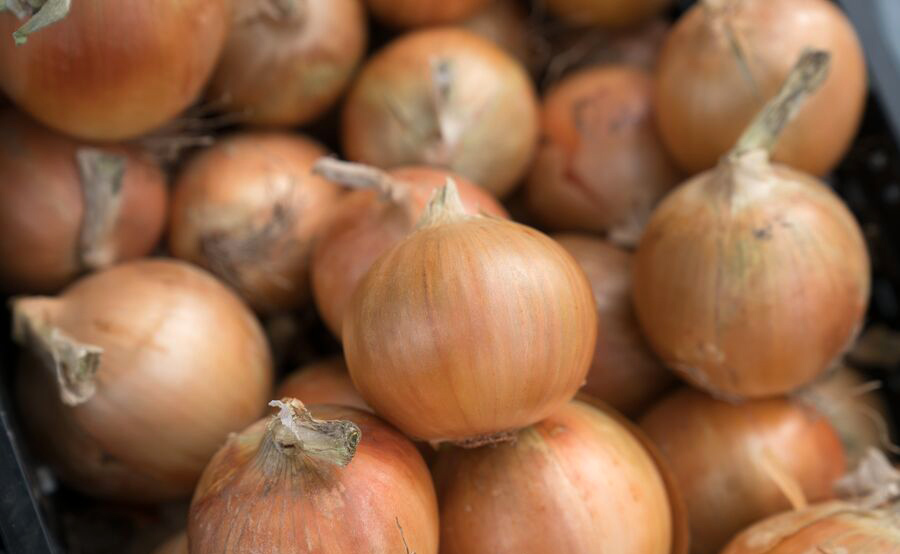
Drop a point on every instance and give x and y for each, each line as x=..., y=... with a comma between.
x=365, y=225
x=322, y=382
x=42, y=208
x=183, y=364
x=288, y=70
x=535, y=495
x=420, y=13
x=249, y=209
x=506, y=24
x=310, y=506
x=600, y=166
x=114, y=69
x=718, y=453
x=459, y=98
x=611, y=14
x=704, y=99
x=624, y=372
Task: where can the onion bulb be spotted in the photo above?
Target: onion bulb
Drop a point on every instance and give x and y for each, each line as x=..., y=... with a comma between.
x=624, y=372
x=470, y=328
x=367, y=222
x=68, y=207
x=286, y=62
x=177, y=544
x=322, y=382
x=505, y=23
x=613, y=14
x=735, y=464
x=137, y=375
x=577, y=482
x=447, y=98
x=752, y=278
x=419, y=13
x=724, y=58
x=113, y=69
x=336, y=480
x=600, y=166
x=249, y=209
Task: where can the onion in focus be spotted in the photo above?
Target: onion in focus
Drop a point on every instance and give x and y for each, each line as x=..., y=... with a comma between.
x=322, y=382
x=613, y=14
x=419, y=13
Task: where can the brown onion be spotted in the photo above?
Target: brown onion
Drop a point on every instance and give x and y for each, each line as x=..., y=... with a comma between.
x=343, y=484
x=419, y=13
x=249, y=209
x=286, y=62
x=600, y=166
x=448, y=98
x=470, y=328
x=113, y=69
x=724, y=58
x=143, y=370
x=68, y=207
x=505, y=23
x=735, y=464
x=177, y=544
x=752, y=278
x=624, y=373
x=322, y=382
x=367, y=222
x=577, y=482
x=613, y=14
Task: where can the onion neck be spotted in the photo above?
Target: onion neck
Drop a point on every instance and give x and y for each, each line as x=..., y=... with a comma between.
x=445, y=206
x=74, y=363
x=281, y=11
x=296, y=434
x=43, y=14
x=874, y=480
x=101, y=183
x=361, y=176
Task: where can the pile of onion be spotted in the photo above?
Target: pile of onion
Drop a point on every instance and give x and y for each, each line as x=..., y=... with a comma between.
x=470, y=328
x=735, y=464
x=724, y=58
x=613, y=14
x=322, y=382
x=568, y=484
x=752, y=278
x=286, y=62
x=111, y=69
x=335, y=480
x=448, y=98
x=137, y=374
x=420, y=13
x=249, y=209
x=368, y=221
x=67, y=207
x=600, y=166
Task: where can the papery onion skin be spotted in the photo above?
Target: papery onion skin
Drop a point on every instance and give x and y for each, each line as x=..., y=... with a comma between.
x=364, y=226
x=448, y=98
x=601, y=166
x=383, y=500
x=704, y=99
x=184, y=363
x=419, y=13
x=288, y=69
x=719, y=453
x=322, y=382
x=624, y=372
x=506, y=24
x=114, y=69
x=249, y=209
x=42, y=207
x=542, y=493
x=611, y=14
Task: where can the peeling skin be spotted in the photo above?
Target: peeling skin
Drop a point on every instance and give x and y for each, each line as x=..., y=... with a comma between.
x=48, y=12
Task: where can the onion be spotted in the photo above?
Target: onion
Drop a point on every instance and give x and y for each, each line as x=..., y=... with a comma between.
x=286, y=62
x=322, y=382
x=505, y=23
x=470, y=328
x=144, y=369
x=752, y=278
x=614, y=14
x=418, y=13
x=724, y=58
x=600, y=166
x=735, y=464
x=448, y=98
x=67, y=207
x=178, y=544
x=113, y=69
x=367, y=222
x=540, y=493
x=624, y=373
x=287, y=484
x=249, y=210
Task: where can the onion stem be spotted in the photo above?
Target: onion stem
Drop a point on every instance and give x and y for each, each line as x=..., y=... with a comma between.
x=48, y=13
x=357, y=175
x=296, y=432
x=445, y=206
x=101, y=181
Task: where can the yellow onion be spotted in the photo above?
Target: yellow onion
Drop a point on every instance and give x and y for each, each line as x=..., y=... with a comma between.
x=725, y=58
x=448, y=98
x=113, y=69
x=178, y=544
x=600, y=166
x=322, y=382
x=418, y=13
x=752, y=278
x=68, y=207
x=137, y=374
x=344, y=483
x=470, y=328
x=249, y=209
x=367, y=222
x=737, y=463
x=613, y=14
x=624, y=372
x=286, y=62
x=506, y=24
